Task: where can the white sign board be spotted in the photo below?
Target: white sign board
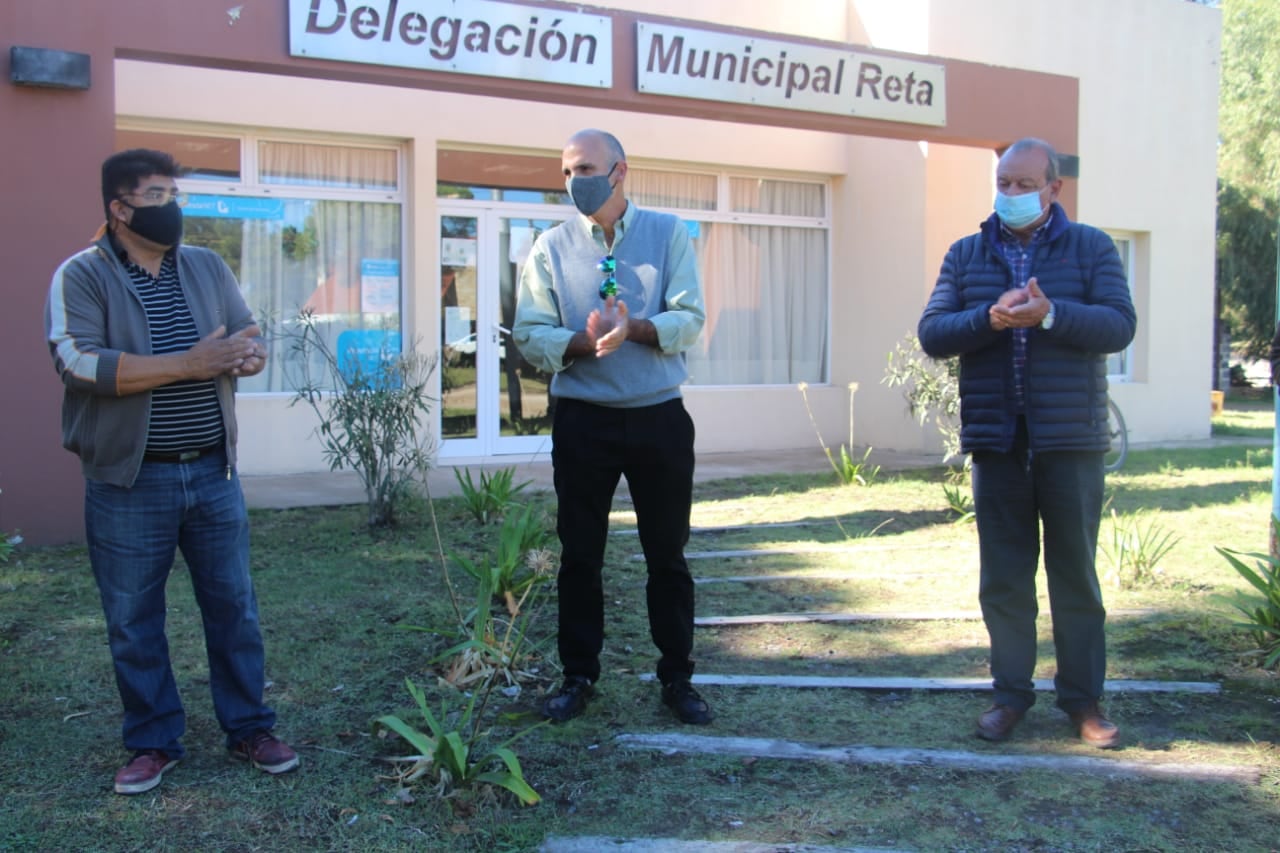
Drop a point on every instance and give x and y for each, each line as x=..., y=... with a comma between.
x=462, y=36
x=693, y=63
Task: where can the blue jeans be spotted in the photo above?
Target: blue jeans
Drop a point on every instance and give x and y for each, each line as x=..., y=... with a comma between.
x=196, y=507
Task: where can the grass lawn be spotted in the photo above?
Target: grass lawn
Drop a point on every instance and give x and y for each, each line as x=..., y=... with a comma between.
x=1247, y=412
x=337, y=603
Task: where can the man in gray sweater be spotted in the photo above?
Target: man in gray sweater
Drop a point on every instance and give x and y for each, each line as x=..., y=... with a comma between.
x=609, y=302
x=148, y=337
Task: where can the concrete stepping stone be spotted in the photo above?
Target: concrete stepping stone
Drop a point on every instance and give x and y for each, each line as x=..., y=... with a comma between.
x=832, y=548
x=729, y=528
x=598, y=843
x=956, y=684
x=891, y=616
x=812, y=576
x=672, y=743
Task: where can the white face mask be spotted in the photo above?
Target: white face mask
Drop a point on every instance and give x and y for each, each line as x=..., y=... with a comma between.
x=1019, y=211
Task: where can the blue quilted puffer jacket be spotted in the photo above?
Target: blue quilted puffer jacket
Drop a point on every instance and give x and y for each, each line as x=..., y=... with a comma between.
x=1079, y=269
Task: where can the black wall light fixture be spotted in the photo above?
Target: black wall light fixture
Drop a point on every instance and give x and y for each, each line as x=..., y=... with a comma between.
x=46, y=68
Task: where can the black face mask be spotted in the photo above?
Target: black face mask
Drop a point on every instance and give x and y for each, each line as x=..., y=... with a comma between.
x=161, y=225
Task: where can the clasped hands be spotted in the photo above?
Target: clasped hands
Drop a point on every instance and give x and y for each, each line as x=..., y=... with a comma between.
x=1019, y=308
x=607, y=327
x=241, y=354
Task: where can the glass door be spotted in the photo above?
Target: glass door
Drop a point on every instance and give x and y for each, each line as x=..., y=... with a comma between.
x=459, y=341
x=493, y=402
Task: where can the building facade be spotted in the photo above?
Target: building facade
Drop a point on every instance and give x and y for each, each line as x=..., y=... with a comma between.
x=383, y=166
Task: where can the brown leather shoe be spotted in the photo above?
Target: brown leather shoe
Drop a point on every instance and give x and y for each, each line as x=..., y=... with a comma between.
x=143, y=772
x=997, y=722
x=266, y=752
x=1094, y=727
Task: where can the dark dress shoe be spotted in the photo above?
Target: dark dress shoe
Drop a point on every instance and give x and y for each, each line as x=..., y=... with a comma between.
x=680, y=697
x=997, y=722
x=570, y=701
x=1094, y=727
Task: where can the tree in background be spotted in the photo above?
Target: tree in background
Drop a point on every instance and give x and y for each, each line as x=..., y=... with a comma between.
x=1249, y=171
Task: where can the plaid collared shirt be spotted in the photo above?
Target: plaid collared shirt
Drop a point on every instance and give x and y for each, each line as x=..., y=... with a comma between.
x=1019, y=257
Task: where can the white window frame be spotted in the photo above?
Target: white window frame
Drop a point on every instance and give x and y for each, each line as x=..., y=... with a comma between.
x=250, y=186
x=1127, y=245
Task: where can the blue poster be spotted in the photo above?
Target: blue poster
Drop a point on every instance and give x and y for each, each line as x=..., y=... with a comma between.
x=233, y=207
x=363, y=353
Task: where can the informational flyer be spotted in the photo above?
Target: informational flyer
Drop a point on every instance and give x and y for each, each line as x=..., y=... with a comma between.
x=457, y=328
x=379, y=286
x=457, y=252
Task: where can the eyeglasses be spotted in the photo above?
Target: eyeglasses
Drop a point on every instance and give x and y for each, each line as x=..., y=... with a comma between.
x=162, y=196
x=608, y=287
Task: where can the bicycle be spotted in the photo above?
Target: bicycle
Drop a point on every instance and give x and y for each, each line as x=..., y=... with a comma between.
x=1119, y=433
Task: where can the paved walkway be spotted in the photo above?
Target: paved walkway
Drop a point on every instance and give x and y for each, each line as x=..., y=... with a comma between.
x=343, y=487
x=338, y=488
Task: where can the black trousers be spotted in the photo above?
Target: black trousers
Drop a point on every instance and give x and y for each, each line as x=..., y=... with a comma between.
x=592, y=448
x=1014, y=494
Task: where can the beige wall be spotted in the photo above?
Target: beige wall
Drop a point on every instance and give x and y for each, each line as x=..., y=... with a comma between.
x=1148, y=93
x=277, y=438
x=1148, y=72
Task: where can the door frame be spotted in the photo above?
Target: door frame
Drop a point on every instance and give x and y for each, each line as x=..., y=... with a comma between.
x=490, y=336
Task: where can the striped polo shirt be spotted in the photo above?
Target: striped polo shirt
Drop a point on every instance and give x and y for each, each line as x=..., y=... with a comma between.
x=185, y=415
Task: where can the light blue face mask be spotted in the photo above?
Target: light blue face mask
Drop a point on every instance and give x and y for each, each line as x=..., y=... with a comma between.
x=590, y=192
x=1019, y=211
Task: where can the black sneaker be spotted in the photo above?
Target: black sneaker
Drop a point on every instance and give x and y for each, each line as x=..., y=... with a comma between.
x=570, y=701
x=680, y=697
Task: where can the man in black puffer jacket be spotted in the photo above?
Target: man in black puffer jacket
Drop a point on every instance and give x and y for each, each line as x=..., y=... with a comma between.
x=1032, y=304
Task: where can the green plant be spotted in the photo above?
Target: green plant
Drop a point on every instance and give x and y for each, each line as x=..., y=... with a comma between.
x=863, y=473
x=447, y=753
x=530, y=426
x=931, y=388
x=1262, y=611
x=956, y=490
x=494, y=494
x=1138, y=542
x=372, y=422
x=511, y=572
x=492, y=645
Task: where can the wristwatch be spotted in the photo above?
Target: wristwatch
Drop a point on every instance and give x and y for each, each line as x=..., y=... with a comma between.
x=1047, y=322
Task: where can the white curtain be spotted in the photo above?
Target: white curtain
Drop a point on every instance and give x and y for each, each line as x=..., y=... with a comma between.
x=784, y=198
x=766, y=300
x=764, y=284
x=303, y=164
x=683, y=190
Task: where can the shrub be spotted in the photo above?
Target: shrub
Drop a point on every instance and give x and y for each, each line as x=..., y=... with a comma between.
x=491, y=498
x=372, y=423
x=1261, y=610
x=447, y=754
x=931, y=388
x=1138, y=542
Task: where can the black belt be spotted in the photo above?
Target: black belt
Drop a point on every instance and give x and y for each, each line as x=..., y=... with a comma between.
x=181, y=455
